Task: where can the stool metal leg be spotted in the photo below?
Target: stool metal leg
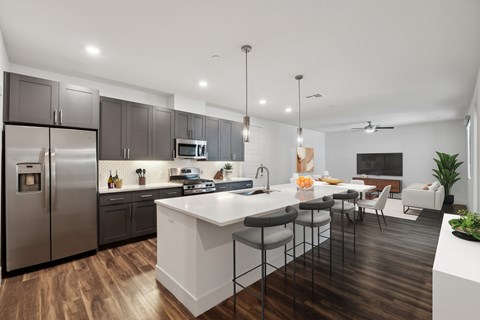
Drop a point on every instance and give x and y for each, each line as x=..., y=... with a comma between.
x=263, y=284
x=318, y=240
x=294, y=275
x=313, y=257
x=354, y=232
x=304, y=251
x=343, y=237
x=234, y=279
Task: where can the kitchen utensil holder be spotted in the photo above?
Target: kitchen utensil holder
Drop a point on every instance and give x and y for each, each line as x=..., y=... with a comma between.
x=141, y=181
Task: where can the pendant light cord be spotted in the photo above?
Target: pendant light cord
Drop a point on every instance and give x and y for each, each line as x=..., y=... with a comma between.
x=246, y=82
x=299, y=109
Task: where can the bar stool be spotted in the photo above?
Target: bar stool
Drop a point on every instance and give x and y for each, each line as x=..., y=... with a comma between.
x=264, y=233
x=314, y=220
x=342, y=206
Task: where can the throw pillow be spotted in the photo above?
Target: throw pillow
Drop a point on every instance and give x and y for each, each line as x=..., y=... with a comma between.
x=433, y=188
x=425, y=188
x=429, y=184
x=436, y=183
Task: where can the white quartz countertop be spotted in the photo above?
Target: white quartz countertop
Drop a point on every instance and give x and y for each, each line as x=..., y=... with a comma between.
x=225, y=208
x=136, y=187
x=457, y=257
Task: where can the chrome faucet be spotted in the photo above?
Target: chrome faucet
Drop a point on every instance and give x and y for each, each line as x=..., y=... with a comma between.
x=260, y=169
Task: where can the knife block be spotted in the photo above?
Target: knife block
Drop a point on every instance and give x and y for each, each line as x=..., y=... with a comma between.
x=141, y=181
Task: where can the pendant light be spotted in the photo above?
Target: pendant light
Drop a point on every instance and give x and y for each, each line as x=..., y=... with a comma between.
x=299, y=129
x=246, y=119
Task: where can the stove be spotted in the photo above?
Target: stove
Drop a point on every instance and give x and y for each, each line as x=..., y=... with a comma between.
x=190, y=178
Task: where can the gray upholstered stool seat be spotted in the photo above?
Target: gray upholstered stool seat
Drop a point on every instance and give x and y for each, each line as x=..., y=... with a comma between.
x=265, y=233
x=274, y=237
x=319, y=219
x=347, y=206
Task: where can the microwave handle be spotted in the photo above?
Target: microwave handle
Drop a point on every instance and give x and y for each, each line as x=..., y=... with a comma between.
x=199, y=150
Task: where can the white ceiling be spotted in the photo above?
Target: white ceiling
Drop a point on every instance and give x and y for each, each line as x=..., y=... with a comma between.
x=392, y=62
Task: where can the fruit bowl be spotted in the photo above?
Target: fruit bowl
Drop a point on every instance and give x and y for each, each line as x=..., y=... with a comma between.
x=332, y=180
x=304, y=183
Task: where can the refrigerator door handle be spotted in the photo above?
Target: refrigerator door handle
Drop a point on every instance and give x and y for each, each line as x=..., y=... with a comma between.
x=54, y=180
x=46, y=178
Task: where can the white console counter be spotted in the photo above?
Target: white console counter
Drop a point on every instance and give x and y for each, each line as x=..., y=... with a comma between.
x=456, y=276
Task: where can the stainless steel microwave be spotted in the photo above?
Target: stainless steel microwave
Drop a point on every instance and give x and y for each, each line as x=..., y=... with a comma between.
x=190, y=149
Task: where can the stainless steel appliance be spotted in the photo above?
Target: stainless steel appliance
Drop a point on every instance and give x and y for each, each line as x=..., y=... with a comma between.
x=192, y=183
x=50, y=194
x=190, y=149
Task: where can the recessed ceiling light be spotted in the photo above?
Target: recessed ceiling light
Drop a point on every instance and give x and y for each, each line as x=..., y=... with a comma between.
x=203, y=83
x=215, y=57
x=263, y=101
x=288, y=109
x=93, y=50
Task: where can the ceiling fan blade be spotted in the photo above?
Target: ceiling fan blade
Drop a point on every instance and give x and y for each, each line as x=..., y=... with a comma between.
x=384, y=127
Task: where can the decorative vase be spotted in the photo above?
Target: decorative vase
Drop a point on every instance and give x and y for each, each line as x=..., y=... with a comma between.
x=449, y=199
x=228, y=174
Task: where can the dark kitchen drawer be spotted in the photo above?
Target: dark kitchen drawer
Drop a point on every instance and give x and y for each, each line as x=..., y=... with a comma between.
x=170, y=193
x=220, y=187
x=241, y=185
x=115, y=198
x=144, y=195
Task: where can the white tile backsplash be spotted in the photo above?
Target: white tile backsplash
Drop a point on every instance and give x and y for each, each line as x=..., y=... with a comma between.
x=157, y=171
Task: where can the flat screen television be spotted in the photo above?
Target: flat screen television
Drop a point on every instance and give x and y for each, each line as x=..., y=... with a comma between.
x=380, y=164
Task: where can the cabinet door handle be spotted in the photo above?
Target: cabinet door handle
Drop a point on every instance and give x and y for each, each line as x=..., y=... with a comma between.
x=60, y=113
x=146, y=196
x=128, y=153
x=171, y=193
x=116, y=199
x=125, y=153
x=55, y=116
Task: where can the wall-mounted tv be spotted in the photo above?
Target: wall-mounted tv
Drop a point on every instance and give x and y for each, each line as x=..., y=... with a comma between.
x=380, y=164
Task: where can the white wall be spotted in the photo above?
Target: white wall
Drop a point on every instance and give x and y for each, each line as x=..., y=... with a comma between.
x=4, y=66
x=473, y=183
x=418, y=144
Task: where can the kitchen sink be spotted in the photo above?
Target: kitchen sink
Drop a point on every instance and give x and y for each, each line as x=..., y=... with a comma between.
x=254, y=192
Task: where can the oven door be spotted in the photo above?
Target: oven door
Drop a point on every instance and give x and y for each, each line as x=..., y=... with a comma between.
x=188, y=149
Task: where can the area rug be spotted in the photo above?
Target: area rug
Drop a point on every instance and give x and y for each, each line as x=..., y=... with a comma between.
x=394, y=208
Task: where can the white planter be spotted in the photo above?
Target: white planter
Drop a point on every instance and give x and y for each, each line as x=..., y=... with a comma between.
x=228, y=174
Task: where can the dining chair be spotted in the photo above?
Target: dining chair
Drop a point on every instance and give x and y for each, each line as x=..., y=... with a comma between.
x=377, y=204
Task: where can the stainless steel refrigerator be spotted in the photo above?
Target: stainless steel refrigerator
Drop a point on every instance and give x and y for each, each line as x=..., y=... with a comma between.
x=50, y=194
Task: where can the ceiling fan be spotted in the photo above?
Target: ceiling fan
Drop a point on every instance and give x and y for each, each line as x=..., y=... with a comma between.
x=369, y=128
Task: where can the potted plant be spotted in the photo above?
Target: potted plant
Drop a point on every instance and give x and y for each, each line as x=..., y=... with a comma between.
x=228, y=170
x=468, y=224
x=446, y=173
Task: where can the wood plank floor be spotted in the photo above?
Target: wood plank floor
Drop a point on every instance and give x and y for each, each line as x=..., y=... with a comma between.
x=389, y=277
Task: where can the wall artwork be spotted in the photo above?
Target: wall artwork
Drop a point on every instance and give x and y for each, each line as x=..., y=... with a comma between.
x=305, y=159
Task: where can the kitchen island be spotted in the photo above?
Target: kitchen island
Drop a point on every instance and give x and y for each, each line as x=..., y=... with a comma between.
x=194, y=240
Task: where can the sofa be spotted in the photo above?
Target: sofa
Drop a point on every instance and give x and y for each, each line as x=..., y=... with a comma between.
x=424, y=196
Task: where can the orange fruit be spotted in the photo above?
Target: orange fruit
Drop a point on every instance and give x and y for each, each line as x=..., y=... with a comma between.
x=302, y=184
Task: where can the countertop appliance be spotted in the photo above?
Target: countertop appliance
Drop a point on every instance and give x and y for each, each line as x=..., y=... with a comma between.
x=50, y=179
x=190, y=149
x=192, y=183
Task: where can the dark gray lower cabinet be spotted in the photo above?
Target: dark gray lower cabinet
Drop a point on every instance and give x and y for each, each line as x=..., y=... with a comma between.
x=114, y=223
x=128, y=215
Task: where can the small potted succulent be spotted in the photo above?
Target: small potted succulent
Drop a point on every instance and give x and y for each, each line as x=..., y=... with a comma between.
x=228, y=170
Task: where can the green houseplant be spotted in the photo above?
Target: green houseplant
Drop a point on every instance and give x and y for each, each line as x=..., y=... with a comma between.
x=228, y=169
x=468, y=223
x=446, y=173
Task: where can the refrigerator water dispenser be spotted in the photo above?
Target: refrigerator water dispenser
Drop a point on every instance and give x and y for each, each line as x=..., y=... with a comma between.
x=29, y=177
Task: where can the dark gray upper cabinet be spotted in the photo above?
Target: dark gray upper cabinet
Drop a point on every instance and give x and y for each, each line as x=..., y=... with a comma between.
x=40, y=101
x=189, y=126
x=31, y=100
x=126, y=130
x=225, y=140
x=78, y=106
x=139, y=132
x=213, y=138
x=238, y=146
x=163, y=122
x=113, y=136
